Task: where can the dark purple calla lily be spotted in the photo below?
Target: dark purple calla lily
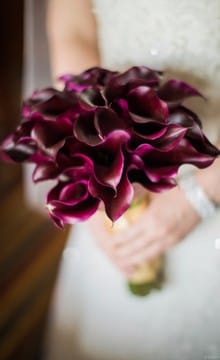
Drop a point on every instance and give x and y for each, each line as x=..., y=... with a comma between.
x=139, y=176
x=137, y=73
x=50, y=103
x=145, y=102
x=45, y=172
x=93, y=126
x=68, y=203
x=108, y=158
x=95, y=76
x=187, y=119
x=160, y=163
x=149, y=130
x=93, y=96
x=121, y=83
x=78, y=167
x=19, y=146
x=105, y=131
x=17, y=151
x=117, y=200
x=170, y=138
x=72, y=168
x=174, y=92
x=183, y=117
x=50, y=136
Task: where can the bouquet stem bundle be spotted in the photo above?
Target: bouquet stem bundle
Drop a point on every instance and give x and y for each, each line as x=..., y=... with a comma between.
x=149, y=275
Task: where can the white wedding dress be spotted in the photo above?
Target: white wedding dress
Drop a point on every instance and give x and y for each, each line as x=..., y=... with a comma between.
x=93, y=316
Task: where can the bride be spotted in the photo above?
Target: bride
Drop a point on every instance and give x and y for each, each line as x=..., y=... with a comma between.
x=93, y=316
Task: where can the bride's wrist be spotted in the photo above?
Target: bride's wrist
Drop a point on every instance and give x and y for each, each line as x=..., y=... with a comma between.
x=209, y=180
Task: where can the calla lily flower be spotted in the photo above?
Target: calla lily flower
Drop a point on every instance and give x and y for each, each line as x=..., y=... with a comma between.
x=160, y=163
x=50, y=103
x=117, y=200
x=95, y=76
x=102, y=133
x=50, y=136
x=145, y=102
x=92, y=127
x=173, y=92
x=69, y=202
x=17, y=151
x=108, y=158
x=121, y=83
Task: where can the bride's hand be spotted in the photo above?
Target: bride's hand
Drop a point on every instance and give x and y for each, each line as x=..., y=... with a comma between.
x=167, y=219
x=107, y=240
x=165, y=222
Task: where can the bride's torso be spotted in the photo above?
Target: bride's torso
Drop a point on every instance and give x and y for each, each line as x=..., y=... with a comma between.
x=181, y=38
x=91, y=303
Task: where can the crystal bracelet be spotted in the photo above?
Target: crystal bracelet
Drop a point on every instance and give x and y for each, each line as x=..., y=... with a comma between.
x=197, y=197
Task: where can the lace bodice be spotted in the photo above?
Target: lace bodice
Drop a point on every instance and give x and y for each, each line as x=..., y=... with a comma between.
x=181, y=38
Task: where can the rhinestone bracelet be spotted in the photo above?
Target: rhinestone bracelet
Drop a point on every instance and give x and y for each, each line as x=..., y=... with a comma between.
x=197, y=197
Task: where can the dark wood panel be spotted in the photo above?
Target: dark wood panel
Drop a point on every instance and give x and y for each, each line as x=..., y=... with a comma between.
x=11, y=50
x=31, y=246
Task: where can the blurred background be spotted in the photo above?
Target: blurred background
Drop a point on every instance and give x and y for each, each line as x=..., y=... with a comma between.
x=30, y=245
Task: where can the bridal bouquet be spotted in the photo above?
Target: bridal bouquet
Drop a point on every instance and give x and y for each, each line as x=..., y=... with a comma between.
x=104, y=132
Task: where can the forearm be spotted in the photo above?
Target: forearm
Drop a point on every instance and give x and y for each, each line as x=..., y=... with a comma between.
x=209, y=179
x=71, y=30
x=71, y=56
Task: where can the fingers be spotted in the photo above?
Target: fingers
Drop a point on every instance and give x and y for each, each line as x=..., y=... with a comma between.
x=132, y=232
x=129, y=264
x=128, y=235
x=140, y=257
x=138, y=243
x=159, y=227
x=126, y=269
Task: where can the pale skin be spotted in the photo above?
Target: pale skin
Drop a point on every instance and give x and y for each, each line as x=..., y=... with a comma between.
x=73, y=48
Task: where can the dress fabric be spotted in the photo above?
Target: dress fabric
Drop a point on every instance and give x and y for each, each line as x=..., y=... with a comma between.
x=93, y=316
